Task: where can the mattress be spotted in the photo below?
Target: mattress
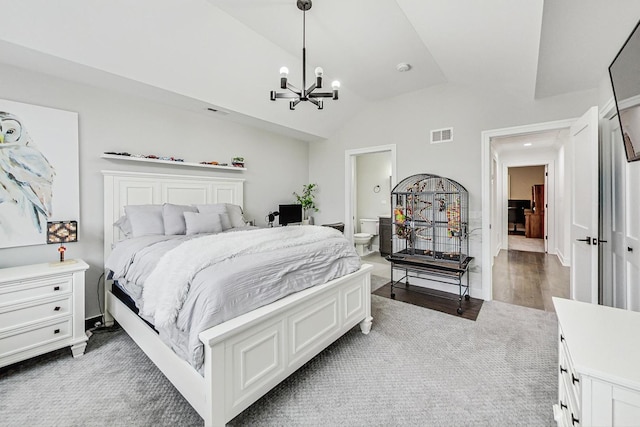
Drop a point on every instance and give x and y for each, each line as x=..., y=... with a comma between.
x=261, y=267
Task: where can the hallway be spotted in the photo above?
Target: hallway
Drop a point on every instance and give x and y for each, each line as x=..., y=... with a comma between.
x=529, y=279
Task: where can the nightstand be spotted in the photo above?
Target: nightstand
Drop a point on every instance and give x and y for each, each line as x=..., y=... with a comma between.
x=41, y=309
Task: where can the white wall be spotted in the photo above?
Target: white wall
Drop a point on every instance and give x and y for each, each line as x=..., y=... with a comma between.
x=522, y=178
x=406, y=121
x=110, y=121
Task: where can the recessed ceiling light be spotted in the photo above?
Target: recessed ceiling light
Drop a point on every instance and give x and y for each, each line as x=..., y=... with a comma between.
x=403, y=66
x=528, y=144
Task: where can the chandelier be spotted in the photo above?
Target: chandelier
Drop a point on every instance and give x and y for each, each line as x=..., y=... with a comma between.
x=296, y=95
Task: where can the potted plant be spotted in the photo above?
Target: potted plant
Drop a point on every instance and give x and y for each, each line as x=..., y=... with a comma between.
x=306, y=200
x=238, y=162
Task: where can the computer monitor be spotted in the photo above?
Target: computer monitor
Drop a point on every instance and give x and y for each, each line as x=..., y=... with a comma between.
x=290, y=214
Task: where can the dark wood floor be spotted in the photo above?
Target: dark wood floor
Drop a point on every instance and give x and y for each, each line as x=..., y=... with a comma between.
x=529, y=279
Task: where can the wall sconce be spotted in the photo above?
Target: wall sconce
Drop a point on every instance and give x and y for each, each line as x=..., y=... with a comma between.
x=271, y=217
x=62, y=232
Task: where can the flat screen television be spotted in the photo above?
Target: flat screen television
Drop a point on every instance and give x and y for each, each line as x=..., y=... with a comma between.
x=289, y=214
x=624, y=72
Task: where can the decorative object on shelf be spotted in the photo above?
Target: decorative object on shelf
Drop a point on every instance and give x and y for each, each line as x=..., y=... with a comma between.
x=304, y=94
x=140, y=158
x=238, y=162
x=271, y=217
x=306, y=200
x=145, y=156
x=62, y=232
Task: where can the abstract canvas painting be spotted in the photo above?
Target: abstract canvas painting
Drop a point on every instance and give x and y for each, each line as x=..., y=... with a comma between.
x=38, y=171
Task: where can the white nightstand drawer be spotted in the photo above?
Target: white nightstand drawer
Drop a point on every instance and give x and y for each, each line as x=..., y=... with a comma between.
x=39, y=288
x=35, y=311
x=22, y=339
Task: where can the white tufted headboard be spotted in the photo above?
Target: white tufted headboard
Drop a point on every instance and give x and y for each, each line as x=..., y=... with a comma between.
x=123, y=188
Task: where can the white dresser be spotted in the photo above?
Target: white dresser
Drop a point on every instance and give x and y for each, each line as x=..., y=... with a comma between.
x=41, y=309
x=599, y=365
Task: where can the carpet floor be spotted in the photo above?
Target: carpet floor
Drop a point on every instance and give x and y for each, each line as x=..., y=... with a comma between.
x=416, y=367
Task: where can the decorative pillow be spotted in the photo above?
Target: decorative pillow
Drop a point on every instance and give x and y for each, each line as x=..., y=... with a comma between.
x=218, y=208
x=124, y=225
x=202, y=222
x=145, y=219
x=173, y=216
x=235, y=215
x=225, y=221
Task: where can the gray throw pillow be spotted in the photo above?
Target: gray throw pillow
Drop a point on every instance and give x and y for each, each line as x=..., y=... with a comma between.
x=235, y=215
x=145, y=219
x=197, y=223
x=173, y=217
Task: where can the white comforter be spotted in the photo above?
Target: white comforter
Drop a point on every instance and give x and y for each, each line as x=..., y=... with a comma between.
x=166, y=287
x=185, y=285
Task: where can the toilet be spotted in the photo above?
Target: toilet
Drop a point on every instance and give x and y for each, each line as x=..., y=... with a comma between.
x=368, y=229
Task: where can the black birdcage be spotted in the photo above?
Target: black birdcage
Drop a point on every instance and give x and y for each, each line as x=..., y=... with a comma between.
x=430, y=217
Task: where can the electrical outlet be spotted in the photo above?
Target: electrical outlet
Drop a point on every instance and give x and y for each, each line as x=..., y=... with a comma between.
x=97, y=324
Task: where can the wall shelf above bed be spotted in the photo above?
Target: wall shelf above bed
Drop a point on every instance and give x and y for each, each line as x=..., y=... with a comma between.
x=170, y=162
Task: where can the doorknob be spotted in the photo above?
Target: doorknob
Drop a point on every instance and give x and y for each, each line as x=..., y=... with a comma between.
x=588, y=240
x=596, y=241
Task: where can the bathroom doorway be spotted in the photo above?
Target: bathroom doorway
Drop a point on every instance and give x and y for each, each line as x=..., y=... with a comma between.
x=370, y=174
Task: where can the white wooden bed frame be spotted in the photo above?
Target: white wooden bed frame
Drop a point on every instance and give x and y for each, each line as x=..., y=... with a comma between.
x=247, y=356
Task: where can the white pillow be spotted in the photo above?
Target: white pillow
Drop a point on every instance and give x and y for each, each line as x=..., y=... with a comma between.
x=173, y=217
x=221, y=209
x=202, y=222
x=225, y=221
x=124, y=225
x=235, y=215
x=218, y=208
x=145, y=219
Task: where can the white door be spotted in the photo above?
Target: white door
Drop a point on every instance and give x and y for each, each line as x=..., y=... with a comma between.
x=618, y=191
x=584, y=207
x=545, y=234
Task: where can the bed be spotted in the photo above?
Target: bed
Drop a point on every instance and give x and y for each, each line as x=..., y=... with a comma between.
x=248, y=355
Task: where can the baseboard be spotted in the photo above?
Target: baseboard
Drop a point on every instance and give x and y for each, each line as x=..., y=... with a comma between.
x=562, y=259
x=90, y=323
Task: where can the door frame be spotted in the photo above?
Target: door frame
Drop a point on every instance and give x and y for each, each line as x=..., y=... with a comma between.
x=550, y=211
x=486, y=136
x=350, y=180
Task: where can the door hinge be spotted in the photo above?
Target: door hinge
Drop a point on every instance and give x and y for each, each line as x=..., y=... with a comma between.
x=546, y=237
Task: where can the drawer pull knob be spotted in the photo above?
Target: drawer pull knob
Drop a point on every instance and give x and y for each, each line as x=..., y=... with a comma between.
x=56, y=308
x=574, y=379
x=562, y=369
x=57, y=331
x=574, y=420
x=562, y=405
x=56, y=288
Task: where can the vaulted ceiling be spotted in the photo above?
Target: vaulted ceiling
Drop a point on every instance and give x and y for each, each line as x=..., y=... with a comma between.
x=226, y=53
x=529, y=48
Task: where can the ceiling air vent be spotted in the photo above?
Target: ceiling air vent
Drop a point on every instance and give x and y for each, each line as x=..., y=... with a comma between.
x=441, y=135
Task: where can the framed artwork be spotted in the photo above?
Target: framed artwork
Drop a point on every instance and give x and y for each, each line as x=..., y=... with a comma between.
x=39, y=171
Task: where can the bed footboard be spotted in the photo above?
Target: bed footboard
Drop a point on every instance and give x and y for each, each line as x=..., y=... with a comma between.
x=262, y=348
x=247, y=356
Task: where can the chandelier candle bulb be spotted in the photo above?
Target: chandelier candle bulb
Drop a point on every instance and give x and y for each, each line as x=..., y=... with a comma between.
x=284, y=72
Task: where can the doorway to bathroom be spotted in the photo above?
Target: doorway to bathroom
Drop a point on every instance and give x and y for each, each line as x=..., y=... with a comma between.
x=370, y=174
